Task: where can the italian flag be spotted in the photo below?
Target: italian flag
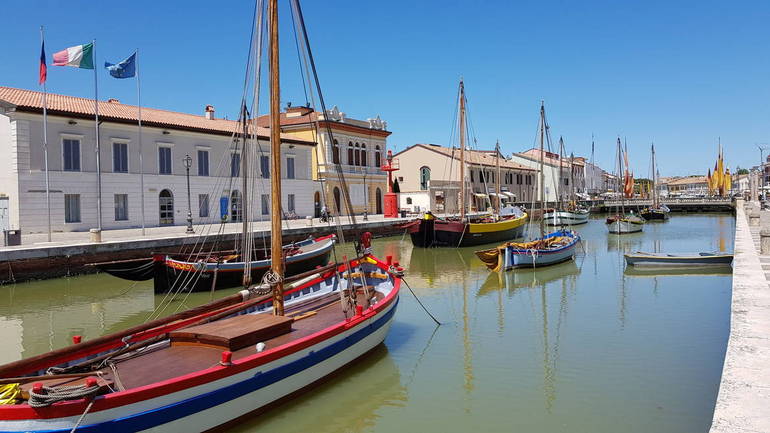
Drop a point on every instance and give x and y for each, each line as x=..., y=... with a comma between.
x=79, y=56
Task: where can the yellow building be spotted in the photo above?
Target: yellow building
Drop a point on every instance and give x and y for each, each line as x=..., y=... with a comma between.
x=354, y=154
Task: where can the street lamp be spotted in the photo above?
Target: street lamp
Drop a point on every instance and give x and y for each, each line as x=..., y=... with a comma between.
x=187, y=164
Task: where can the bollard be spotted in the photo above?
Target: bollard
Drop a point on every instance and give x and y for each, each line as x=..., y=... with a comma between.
x=96, y=235
x=764, y=241
x=309, y=221
x=754, y=218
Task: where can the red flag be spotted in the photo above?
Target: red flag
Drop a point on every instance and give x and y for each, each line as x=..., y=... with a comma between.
x=43, y=68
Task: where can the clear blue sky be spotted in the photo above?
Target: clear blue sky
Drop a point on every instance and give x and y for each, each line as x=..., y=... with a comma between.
x=677, y=73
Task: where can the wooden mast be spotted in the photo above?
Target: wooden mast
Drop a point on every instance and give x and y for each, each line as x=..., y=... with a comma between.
x=572, y=179
x=558, y=182
x=462, y=150
x=654, y=181
x=620, y=173
x=245, y=216
x=276, y=241
x=497, y=177
x=542, y=173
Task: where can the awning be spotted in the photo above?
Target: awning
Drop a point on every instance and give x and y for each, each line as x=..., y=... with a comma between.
x=493, y=194
x=479, y=195
x=509, y=194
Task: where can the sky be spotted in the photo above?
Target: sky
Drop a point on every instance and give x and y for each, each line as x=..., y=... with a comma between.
x=680, y=74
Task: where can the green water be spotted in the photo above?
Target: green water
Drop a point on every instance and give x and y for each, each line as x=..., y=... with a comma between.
x=580, y=347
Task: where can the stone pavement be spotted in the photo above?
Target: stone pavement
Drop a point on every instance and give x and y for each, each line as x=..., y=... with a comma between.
x=743, y=403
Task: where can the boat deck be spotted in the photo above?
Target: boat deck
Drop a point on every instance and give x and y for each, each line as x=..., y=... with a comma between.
x=173, y=360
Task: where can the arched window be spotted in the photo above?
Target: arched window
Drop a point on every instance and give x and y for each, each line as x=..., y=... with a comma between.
x=424, y=178
x=364, y=162
x=377, y=161
x=350, y=152
x=358, y=154
x=378, y=200
x=166, y=202
x=336, y=152
x=337, y=200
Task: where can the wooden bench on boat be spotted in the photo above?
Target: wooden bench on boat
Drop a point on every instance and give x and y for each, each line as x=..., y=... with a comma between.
x=234, y=333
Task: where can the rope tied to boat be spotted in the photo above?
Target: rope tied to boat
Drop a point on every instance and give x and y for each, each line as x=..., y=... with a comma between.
x=54, y=394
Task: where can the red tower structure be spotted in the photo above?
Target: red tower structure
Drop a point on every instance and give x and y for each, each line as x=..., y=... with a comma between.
x=391, y=198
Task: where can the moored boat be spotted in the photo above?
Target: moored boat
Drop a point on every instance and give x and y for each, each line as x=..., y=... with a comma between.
x=622, y=223
x=679, y=260
x=566, y=217
x=657, y=211
x=212, y=272
x=625, y=224
x=555, y=247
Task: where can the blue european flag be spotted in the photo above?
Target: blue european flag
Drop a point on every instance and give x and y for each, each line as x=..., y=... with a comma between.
x=124, y=69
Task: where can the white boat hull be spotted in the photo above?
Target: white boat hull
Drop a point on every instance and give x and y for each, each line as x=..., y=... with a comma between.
x=623, y=227
x=563, y=218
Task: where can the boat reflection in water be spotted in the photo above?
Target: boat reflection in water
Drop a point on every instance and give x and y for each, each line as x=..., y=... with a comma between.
x=649, y=271
x=33, y=315
x=354, y=396
x=627, y=242
x=433, y=265
x=528, y=277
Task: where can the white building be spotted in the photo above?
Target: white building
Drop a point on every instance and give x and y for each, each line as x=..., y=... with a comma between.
x=167, y=137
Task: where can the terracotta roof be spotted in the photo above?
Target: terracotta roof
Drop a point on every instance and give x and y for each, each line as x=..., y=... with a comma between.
x=32, y=101
x=477, y=157
x=534, y=154
x=688, y=180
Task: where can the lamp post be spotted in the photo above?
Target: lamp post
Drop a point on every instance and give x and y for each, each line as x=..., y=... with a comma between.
x=187, y=164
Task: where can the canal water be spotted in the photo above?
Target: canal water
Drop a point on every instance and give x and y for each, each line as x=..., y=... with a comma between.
x=585, y=346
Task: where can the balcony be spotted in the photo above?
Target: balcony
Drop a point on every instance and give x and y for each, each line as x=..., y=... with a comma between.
x=352, y=169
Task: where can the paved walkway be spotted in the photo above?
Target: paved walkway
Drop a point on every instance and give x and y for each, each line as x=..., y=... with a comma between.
x=743, y=404
x=154, y=233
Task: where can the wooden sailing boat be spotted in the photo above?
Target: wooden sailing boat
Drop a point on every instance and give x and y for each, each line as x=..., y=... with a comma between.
x=210, y=366
x=621, y=222
x=548, y=249
x=464, y=231
x=569, y=213
x=657, y=211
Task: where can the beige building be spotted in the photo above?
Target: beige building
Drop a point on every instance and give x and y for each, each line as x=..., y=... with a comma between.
x=157, y=159
x=688, y=186
x=429, y=179
x=356, y=153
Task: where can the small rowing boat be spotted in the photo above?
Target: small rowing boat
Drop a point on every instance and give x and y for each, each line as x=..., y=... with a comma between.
x=679, y=259
x=555, y=247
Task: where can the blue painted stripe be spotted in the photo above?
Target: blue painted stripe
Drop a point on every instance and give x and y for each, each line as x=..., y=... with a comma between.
x=181, y=409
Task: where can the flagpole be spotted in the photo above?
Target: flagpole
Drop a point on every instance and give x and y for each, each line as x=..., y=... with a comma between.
x=141, y=165
x=45, y=142
x=98, y=152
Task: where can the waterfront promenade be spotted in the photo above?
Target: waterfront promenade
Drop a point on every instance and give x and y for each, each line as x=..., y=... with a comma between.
x=744, y=391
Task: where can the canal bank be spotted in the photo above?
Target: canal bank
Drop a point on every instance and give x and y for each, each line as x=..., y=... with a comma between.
x=69, y=253
x=744, y=391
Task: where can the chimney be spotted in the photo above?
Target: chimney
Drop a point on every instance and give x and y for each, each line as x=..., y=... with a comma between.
x=113, y=101
x=210, y=112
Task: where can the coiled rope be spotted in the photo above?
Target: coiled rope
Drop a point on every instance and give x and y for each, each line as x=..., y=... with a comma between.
x=51, y=395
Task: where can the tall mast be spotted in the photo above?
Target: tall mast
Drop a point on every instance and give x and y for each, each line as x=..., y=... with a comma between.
x=276, y=241
x=572, y=176
x=542, y=174
x=558, y=183
x=462, y=150
x=497, y=176
x=654, y=181
x=620, y=171
x=245, y=217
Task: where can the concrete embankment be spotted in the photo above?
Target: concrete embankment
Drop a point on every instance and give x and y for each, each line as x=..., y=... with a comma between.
x=72, y=251
x=743, y=404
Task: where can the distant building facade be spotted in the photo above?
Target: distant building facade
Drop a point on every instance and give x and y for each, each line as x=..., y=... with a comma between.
x=429, y=179
x=356, y=149
x=167, y=137
x=688, y=186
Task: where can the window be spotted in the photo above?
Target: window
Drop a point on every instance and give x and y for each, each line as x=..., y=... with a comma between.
x=291, y=203
x=377, y=160
x=336, y=152
x=203, y=163
x=289, y=167
x=236, y=213
x=71, y=154
x=164, y=160
x=265, y=204
x=358, y=155
x=409, y=200
x=166, y=207
x=121, y=207
x=424, y=178
x=71, y=208
x=264, y=165
x=120, y=157
x=203, y=204
x=350, y=152
x=364, y=162
x=471, y=175
x=235, y=164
